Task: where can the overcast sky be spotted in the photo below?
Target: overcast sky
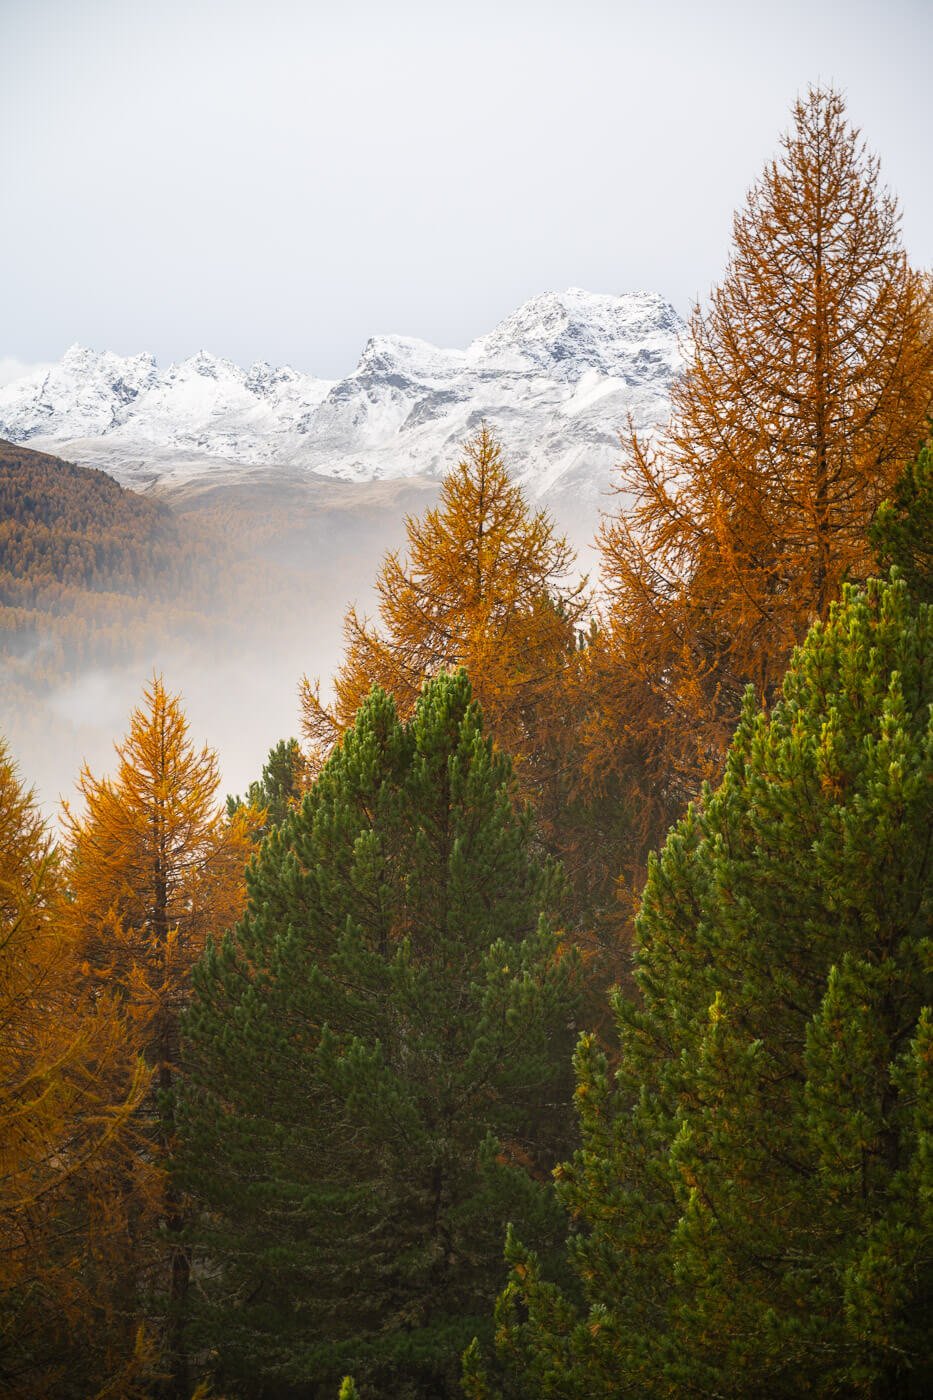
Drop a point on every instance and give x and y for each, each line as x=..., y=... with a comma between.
x=281, y=179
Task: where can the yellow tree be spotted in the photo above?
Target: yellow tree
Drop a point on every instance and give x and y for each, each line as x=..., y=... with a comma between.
x=69, y=1084
x=155, y=865
x=807, y=385
x=486, y=584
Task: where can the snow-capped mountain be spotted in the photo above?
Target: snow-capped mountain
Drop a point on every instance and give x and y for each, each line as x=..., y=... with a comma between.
x=203, y=404
x=556, y=380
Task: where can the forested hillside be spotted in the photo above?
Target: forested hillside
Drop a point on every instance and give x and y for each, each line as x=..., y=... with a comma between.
x=100, y=584
x=78, y=526
x=552, y=1020
x=83, y=563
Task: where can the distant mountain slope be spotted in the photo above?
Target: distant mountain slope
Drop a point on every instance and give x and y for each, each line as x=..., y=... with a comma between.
x=90, y=573
x=232, y=592
x=556, y=380
x=66, y=525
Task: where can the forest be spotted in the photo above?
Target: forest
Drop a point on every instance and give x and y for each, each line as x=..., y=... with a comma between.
x=91, y=574
x=552, y=1016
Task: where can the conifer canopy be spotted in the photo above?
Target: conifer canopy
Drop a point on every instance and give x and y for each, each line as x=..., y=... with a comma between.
x=751, y=1204
x=807, y=387
x=377, y=1066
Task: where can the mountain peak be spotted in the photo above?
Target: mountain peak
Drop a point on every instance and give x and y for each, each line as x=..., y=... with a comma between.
x=405, y=355
x=78, y=354
x=576, y=330
x=556, y=380
x=207, y=365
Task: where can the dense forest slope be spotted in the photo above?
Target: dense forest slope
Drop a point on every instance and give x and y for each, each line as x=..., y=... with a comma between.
x=37, y=489
x=81, y=559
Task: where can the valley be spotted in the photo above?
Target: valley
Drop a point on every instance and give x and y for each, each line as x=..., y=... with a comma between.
x=282, y=494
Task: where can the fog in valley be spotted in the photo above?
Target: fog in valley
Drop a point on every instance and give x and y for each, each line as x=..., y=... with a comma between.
x=296, y=552
x=285, y=554
x=276, y=555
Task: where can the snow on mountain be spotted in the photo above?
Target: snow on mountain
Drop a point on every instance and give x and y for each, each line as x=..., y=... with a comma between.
x=203, y=404
x=556, y=380
x=563, y=334
x=82, y=396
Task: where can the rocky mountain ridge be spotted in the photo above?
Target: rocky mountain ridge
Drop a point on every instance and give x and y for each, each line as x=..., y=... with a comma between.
x=557, y=379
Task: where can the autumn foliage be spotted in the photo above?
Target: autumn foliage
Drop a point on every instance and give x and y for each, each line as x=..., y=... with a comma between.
x=313, y=1095
x=808, y=382
x=485, y=586
x=69, y=1087
x=155, y=866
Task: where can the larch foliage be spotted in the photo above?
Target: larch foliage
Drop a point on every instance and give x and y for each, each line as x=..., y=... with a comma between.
x=807, y=385
x=485, y=585
x=154, y=866
x=69, y=1085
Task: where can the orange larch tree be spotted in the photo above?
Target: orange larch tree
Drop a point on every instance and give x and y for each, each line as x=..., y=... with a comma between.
x=806, y=389
x=489, y=585
x=156, y=865
x=69, y=1086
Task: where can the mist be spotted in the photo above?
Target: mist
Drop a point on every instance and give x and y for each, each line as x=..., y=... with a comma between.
x=292, y=552
x=295, y=557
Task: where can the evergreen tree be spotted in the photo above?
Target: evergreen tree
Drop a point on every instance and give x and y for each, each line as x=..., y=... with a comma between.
x=751, y=1204
x=278, y=789
x=375, y=1075
x=487, y=584
x=902, y=531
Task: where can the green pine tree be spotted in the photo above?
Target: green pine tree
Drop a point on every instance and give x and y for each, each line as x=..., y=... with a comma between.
x=752, y=1203
x=902, y=531
x=279, y=787
x=377, y=1067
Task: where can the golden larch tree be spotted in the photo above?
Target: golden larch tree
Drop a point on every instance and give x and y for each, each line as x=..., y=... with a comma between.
x=69, y=1087
x=486, y=584
x=155, y=866
x=808, y=381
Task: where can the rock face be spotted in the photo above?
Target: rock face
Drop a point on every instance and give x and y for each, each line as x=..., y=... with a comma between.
x=556, y=380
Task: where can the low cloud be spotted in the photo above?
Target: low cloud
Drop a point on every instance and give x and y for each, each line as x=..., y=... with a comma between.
x=12, y=369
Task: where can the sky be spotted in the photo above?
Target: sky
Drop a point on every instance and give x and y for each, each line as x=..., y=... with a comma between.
x=282, y=180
